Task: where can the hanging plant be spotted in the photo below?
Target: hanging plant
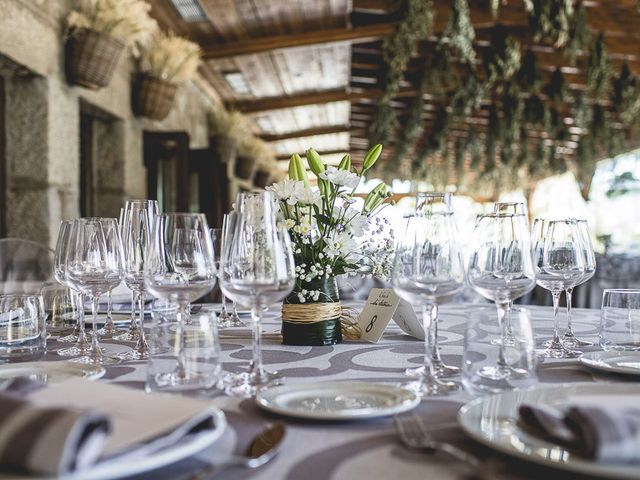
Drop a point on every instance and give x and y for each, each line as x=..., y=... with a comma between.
x=626, y=95
x=459, y=152
x=460, y=33
x=474, y=146
x=413, y=128
x=529, y=77
x=436, y=140
x=502, y=59
x=396, y=52
x=494, y=131
x=535, y=111
x=512, y=110
x=469, y=96
x=524, y=153
x=579, y=34
x=550, y=20
x=556, y=89
x=438, y=74
x=583, y=112
x=600, y=69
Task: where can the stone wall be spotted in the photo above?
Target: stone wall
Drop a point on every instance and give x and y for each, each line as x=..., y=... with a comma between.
x=43, y=125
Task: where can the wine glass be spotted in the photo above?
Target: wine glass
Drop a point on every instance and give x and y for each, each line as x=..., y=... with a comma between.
x=427, y=205
x=216, y=240
x=179, y=268
x=562, y=267
x=228, y=226
x=569, y=339
x=501, y=269
x=428, y=270
x=136, y=236
x=510, y=208
x=256, y=270
x=109, y=330
x=94, y=266
x=131, y=335
x=78, y=336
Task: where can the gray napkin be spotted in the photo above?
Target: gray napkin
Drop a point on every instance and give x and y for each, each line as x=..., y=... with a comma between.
x=608, y=433
x=47, y=440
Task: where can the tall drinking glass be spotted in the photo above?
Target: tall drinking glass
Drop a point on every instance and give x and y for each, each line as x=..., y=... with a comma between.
x=136, y=234
x=228, y=228
x=82, y=345
x=510, y=208
x=428, y=270
x=563, y=265
x=569, y=339
x=257, y=270
x=179, y=268
x=94, y=266
x=501, y=269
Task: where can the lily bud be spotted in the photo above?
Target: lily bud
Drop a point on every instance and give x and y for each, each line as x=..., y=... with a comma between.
x=293, y=173
x=371, y=157
x=315, y=162
x=376, y=197
x=345, y=163
x=297, y=170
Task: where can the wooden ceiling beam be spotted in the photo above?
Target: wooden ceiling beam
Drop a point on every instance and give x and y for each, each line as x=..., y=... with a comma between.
x=315, y=37
x=308, y=132
x=322, y=152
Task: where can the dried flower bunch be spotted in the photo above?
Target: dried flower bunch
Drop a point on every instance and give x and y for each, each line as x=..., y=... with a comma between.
x=126, y=20
x=229, y=124
x=255, y=148
x=171, y=58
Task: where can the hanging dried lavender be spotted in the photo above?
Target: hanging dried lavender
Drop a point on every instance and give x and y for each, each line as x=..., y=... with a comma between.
x=626, y=95
x=600, y=69
x=460, y=33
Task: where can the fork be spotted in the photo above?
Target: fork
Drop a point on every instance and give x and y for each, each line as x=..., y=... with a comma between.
x=414, y=435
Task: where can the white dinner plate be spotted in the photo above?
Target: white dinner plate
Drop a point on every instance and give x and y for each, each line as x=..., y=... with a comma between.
x=337, y=400
x=493, y=421
x=615, y=362
x=50, y=372
x=126, y=467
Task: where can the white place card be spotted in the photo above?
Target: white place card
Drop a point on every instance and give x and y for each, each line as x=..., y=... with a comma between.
x=382, y=305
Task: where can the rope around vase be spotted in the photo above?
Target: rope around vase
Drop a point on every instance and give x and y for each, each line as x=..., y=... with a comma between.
x=318, y=312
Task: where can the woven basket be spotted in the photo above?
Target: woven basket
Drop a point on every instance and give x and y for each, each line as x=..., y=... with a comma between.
x=153, y=97
x=245, y=167
x=91, y=58
x=262, y=178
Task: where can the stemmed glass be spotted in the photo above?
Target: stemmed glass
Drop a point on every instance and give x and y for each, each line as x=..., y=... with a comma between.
x=109, y=330
x=256, y=270
x=136, y=235
x=79, y=336
x=427, y=205
x=94, y=266
x=510, y=208
x=501, y=269
x=428, y=270
x=228, y=228
x=562, y=267
x=179, y=268
x=569, y=339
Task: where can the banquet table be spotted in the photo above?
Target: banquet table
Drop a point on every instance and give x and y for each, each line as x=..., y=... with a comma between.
x=362, y=449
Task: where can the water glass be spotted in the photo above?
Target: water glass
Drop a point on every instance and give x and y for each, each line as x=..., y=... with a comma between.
x=23, y=334
x=191, y=348
x=482, y=350
x=620, y=320
x=60, y=308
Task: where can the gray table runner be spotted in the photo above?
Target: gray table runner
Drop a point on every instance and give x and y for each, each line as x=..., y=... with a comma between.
x=358, y=450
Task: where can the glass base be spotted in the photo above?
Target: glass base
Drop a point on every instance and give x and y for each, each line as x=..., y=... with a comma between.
x=134, y=354
x=440, y=369
x=558, y=351
x=77, y=350
x=109, y=331
x=432, y=387
x=92, y=359
x=71, y=338
x=247, y=384
x=128, y=336
x=179, y=382
x=569, y=340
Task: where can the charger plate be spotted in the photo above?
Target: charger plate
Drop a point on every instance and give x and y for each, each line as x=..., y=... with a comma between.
x=614, y=362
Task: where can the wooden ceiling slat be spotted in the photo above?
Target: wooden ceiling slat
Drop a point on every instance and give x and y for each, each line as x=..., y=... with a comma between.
x=308, y=132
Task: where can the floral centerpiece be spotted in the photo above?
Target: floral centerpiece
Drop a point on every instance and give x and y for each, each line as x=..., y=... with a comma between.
x=330, y=236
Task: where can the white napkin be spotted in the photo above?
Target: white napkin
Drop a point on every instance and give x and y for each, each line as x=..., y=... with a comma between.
x=605, y=428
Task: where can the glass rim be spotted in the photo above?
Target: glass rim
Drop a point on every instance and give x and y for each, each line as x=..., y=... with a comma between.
x=621, y=290
x=182, y=214
x=499, y=215
x=492, y=308
x=94, y=219
x=24, y=295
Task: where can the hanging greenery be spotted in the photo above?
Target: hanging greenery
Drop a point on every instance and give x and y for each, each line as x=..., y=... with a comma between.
x=502, y=59
x=494, y=129
x=412, y=129
x=600, y=69
x=474, y=146
x=556, y=89
x=396, y=52
x=469, y=95
x=626, y=95
x=535, y=112
x=459, y=153
x=512, y=110
x=438, y=74
x=460, y=33
x=436, y=140
x=529, y=78
x=550, y=20
x=582, y=115
x=579, y=34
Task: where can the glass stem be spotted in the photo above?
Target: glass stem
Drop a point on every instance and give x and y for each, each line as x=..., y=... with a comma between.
x=223, y=309
x=556, y=305
x=82, y=336
x=141, y=344
x=503, y=313
x=255, y=367
x=507, y=324
x=182, y=317
x=109, y=323
x=427, y=321
x=95, y=347
x=435, y=353
x=133, y=326
x=569, y=294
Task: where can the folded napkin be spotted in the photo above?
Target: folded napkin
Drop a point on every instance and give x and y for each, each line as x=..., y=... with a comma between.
x=47, y=440
x=600, y=428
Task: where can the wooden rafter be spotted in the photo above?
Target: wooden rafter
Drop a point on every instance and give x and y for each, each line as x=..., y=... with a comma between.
x=309, y=132
x=324, y=152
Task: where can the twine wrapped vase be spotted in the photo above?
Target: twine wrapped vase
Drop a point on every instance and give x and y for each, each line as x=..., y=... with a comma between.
x=91, y=58
x=153, y=97
x=313, y=322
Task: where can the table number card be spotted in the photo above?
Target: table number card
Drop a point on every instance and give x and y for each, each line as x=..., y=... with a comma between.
x=383, y=305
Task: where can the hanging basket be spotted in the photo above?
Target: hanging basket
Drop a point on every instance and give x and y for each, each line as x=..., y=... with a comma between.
x=91, y=58
x=225, y=146
x=245, y=167
x=153, y=97
x=262, y=178
x=313, y=322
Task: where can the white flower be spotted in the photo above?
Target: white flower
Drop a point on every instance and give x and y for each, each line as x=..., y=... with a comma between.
x=341, y=244
x=290, y=223
x=356, y=222
x=340, y=177
x=303, y=229
x=309, y=196
x=287, y=190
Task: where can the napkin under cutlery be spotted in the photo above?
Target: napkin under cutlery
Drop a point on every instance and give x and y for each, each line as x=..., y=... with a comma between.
x=95, y=423
x=601, y=428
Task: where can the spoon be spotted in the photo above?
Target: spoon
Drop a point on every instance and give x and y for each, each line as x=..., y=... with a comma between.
x=261, y=450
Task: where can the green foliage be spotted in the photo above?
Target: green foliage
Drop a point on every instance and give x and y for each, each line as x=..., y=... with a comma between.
x=579, y=34
x=529, y=78
x=556, y=89
x=535, y=111
x=626, y=95
x=437, y=74
x=583, y=113
x=469, y=96
x=502, y=59
x=600, y=68
x=550, y=20
x=460, y=33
